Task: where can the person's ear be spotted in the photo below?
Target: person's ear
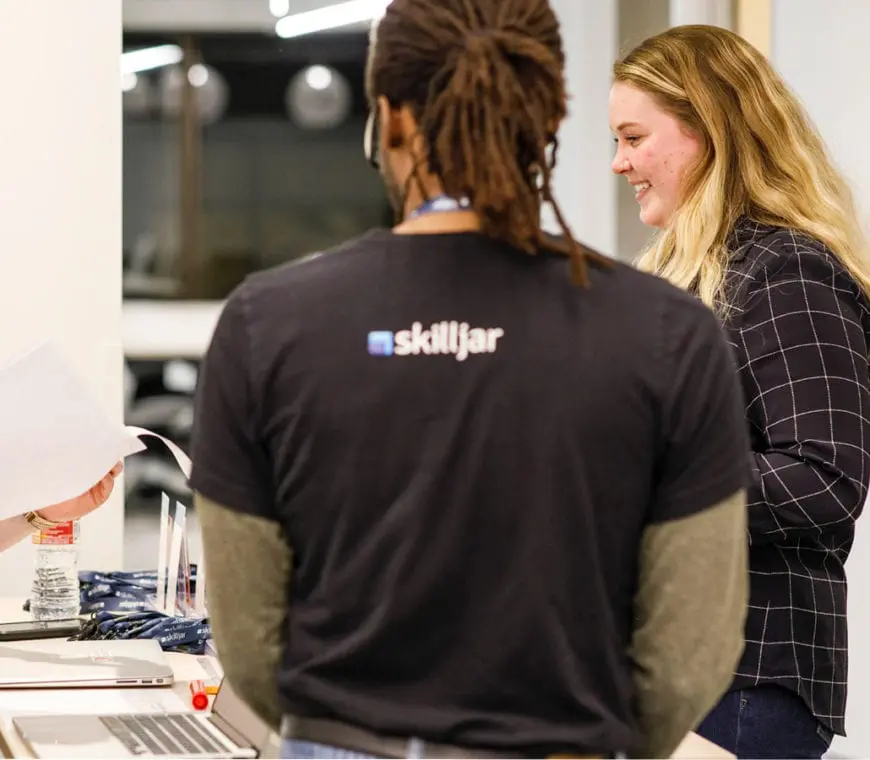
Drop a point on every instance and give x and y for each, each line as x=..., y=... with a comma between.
x=391, y=134
x=398, y=126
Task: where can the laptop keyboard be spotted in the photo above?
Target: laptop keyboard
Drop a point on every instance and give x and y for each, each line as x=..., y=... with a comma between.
x=175, y=735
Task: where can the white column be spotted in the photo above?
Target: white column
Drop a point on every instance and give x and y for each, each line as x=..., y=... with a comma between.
x=820, y=68
x=60, y=205
x=714, y=12
x=752, y=20
x=583, y=183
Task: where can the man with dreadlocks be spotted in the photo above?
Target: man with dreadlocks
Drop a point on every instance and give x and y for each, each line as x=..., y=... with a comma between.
x=467, y=489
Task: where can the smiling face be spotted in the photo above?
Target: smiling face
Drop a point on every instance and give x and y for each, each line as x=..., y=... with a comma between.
x=654, y=152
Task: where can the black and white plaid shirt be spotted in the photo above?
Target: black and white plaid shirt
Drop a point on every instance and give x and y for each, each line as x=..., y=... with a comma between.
x=799, y=327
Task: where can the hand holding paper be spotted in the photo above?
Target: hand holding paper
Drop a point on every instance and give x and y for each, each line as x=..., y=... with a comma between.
x=56, y=441
x=95, y=497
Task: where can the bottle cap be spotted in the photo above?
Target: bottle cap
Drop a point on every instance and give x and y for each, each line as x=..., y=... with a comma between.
x=198, y=696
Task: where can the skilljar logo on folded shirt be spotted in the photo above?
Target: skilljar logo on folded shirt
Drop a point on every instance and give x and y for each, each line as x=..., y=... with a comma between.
x=456, y=338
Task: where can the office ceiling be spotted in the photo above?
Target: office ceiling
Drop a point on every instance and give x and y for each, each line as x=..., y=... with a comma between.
x=210, y=16
x=237, y=37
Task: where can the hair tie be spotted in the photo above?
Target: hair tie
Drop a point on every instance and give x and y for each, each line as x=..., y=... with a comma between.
x=480, y=40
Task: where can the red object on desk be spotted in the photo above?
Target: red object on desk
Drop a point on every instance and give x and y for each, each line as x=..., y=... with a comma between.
x=198, y=695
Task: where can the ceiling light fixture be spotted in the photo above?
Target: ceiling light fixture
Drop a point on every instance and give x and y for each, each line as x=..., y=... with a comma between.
x=136, y=61
x=279, y=8
x=330, y=17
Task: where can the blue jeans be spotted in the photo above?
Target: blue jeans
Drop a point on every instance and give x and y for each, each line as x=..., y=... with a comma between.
x=766, y=722
x=310, y=750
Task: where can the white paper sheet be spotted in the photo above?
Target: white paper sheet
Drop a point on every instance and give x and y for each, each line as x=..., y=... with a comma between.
x=180, y=457
x=56, y=440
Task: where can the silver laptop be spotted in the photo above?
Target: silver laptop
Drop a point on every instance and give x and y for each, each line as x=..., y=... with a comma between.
x=60, y=664
x=231, y=730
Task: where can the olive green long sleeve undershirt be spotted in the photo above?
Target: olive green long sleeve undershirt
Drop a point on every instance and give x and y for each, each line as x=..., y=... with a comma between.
x=689, y=612
x=248, y=563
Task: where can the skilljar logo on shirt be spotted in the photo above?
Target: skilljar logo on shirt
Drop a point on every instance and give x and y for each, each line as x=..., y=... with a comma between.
x=456, y=338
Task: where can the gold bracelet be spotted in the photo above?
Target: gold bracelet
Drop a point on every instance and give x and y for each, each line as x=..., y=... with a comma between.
x=39, y=522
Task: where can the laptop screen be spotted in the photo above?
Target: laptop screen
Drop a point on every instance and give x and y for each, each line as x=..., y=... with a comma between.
x=229, y=710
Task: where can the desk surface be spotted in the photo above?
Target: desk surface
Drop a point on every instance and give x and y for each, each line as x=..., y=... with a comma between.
x=90, y=701
x=163, y=699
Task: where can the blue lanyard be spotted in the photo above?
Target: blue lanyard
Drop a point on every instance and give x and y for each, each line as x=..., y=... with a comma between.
x=440, y=203
x=173, y=634
x=120, y=607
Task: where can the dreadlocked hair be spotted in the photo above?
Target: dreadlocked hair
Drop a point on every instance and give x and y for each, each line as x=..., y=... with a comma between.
x=485, y=82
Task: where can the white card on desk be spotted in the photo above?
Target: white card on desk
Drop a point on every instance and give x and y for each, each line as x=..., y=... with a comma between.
x=57, y=440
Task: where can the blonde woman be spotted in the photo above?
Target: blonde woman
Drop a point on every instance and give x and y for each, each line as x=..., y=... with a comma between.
x=755, y=221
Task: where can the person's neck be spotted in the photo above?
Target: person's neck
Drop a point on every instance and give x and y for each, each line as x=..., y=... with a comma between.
x=440, y=223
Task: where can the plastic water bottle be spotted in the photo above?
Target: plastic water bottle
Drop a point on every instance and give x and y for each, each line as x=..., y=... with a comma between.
x=55, y=591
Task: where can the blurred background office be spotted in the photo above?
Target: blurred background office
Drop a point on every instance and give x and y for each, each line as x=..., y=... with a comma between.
x=241, y=151
x=240, y=148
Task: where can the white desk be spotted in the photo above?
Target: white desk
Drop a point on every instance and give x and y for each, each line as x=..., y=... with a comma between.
x=90, y=701
x=186, y=668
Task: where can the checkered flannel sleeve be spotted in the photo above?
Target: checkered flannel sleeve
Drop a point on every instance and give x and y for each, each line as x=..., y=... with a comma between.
x=805, y=373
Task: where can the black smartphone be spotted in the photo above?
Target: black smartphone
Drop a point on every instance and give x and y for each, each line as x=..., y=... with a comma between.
x=40, y=629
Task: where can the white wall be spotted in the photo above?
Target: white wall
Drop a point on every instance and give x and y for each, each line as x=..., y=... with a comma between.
x=583, y=183
x=819, y=46
x=60, y=204
x=717, y=12
x=829, y=71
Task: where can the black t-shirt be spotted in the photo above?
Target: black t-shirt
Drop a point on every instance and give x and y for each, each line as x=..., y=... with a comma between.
x=464, y=449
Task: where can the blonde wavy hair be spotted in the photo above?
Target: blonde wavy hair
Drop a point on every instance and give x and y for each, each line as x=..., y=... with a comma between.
x=761, y=157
